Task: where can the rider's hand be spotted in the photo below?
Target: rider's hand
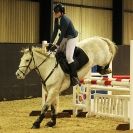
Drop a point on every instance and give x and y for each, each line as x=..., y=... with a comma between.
x=53, y=48
x=49, y=46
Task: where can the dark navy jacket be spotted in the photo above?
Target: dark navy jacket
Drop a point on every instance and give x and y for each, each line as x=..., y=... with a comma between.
x=66, y=27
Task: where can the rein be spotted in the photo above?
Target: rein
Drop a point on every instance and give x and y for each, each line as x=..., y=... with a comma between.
x=37, y=68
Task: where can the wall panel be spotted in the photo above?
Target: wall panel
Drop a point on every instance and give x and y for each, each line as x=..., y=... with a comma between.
x=75, y=14
x=70, y=1
x=10, y=87
x=19, y=21
x=98, y=3
x=128, y=27
x=96, y=22
x=128, y=5
x=128, y=21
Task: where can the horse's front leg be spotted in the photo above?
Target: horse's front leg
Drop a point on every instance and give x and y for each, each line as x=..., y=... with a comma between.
x=36, y=124
x=52, y=122
x=50, y=98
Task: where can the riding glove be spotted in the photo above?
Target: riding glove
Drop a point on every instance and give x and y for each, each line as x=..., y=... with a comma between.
x=53, y=48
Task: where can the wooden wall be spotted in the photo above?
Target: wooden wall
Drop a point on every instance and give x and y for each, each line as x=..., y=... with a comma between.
x=121, y=63
x=10, y=87
x=19, y=21
x=128, y=21
x=19, y=27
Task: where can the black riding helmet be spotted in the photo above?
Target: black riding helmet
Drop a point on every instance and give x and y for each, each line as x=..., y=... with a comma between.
x=59, y=8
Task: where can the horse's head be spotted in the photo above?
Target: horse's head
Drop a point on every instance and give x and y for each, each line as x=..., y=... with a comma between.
x=32, y=58
x=26, y=63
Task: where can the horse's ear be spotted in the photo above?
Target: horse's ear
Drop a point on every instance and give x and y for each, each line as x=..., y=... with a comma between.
x=22, y=50
x=30, y=48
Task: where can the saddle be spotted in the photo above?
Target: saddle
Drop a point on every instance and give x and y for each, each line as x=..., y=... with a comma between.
x=80, y=59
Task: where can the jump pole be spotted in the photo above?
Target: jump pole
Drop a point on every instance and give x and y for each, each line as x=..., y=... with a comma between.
x=131, y=84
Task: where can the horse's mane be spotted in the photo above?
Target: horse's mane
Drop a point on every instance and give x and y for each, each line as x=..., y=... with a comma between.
x=41, y=51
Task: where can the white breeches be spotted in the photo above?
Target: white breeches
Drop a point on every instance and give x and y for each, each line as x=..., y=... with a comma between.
x=68, y=46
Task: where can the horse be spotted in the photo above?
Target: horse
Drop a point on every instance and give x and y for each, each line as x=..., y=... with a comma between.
x=99, y=50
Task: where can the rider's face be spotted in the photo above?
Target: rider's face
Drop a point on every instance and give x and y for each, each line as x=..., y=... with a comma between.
x=57, y=14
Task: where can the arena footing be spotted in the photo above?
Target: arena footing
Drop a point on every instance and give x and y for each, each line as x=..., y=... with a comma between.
x=63, y=114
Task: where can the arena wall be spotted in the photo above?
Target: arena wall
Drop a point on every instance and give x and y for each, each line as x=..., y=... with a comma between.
x=10, y=87
x=121, y=63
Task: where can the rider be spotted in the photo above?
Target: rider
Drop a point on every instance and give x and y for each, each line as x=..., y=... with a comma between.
x=67, y=39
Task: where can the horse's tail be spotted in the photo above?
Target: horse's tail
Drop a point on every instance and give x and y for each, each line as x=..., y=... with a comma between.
x=112, y=47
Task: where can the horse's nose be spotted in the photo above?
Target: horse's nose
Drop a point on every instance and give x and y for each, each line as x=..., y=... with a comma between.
x=17, y=74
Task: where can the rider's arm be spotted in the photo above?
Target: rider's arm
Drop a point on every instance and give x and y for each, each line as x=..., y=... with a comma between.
x=64, y=23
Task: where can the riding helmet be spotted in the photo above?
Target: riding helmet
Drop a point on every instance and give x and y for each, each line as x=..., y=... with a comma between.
x=59, y=8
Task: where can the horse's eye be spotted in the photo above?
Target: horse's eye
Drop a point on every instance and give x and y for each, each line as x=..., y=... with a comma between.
x=27, y=60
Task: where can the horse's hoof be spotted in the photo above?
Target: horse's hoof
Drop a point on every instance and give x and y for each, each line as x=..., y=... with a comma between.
x=35, y=126
x=109, y=71
x=105, y=71
x=50, y=124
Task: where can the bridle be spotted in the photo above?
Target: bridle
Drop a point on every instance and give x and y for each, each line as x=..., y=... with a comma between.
x=37, y=67
x=27, y=66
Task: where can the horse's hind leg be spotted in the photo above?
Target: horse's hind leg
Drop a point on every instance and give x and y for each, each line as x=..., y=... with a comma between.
x=107, y=70
x=103, y=70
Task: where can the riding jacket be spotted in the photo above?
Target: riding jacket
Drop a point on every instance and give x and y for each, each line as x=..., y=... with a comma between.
x=65, y=25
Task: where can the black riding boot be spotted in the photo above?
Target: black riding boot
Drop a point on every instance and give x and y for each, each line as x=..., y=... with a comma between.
x=73, y=74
